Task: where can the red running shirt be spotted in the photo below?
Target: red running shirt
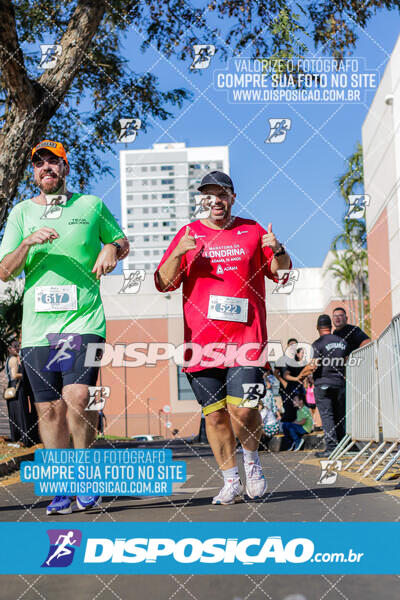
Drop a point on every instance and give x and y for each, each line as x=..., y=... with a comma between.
x=231, y=263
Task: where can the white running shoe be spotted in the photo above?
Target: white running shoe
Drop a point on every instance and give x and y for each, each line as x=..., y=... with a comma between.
x=231, y=492
x=256, y=484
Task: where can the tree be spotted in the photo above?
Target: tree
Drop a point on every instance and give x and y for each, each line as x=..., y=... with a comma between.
x=350, y=264
x=81, y=99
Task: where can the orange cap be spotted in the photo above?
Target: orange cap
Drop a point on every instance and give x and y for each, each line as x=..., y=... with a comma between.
x=55, y=147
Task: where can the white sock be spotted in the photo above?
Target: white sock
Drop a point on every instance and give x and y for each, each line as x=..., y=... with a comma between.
x=249, y=456
x=232, y=473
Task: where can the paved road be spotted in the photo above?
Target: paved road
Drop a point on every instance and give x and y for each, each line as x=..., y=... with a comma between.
x=293, y=496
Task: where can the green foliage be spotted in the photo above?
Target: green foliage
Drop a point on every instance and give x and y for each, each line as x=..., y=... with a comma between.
x=106, y=87
x=350, y=264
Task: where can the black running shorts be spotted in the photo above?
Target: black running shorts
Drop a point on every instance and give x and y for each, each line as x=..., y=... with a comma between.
x=50, y=368
x=215, y=388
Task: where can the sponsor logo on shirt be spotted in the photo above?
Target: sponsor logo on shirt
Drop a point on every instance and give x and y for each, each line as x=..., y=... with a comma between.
x=223, y=252
x=240, y=232
x=82, y=221
x=223, y=269
x=198, y=236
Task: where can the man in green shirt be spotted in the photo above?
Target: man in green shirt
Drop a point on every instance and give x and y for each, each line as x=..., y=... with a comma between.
x=56, y=238
x=302, y=425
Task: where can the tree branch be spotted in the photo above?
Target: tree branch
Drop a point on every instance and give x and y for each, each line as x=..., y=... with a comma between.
x=16, y=81
x=74, y=43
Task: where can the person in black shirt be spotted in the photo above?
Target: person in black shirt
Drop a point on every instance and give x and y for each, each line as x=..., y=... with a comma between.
x=328, y=367
x=353, y=335
x=289, y=414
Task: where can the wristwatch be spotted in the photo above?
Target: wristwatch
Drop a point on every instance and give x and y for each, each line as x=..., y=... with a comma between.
x=281, y=250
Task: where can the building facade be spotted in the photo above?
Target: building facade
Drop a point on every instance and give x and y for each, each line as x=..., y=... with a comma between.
x=158, y=188
x=381, y=153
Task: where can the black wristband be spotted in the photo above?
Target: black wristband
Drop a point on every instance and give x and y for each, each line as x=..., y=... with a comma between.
x=281, y=251
x=118, y=247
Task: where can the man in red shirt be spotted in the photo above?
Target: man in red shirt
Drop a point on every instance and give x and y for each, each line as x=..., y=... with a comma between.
x=222, y=261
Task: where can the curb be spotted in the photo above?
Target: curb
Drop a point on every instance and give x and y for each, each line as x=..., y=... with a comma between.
x=8, y=467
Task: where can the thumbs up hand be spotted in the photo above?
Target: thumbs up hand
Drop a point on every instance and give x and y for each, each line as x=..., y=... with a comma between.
x=270, y=240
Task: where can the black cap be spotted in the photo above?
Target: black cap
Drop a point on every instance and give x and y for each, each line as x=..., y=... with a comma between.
x=216, y=178
x=324, y=321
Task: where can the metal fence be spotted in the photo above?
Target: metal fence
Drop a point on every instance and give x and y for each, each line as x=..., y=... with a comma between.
x=373, y=405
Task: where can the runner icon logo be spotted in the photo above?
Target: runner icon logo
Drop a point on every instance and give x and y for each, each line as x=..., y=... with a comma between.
x=357, y=206
x=98, y=395
x=252, y=394
x=286, y=286
x=132, y=281
x=50, y=55
x=128, y=130
x=278, y=129
x=62, y=350
x=330, y=470
x=202, y=56
x=54, y=207
x=63, y=543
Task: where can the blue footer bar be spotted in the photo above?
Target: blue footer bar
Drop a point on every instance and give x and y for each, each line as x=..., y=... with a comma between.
x=200, y=548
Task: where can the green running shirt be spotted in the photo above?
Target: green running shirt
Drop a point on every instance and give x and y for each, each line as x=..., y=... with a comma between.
x=82, y=224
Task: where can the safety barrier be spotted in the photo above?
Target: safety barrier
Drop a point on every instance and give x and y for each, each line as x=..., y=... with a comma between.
x=373, y=405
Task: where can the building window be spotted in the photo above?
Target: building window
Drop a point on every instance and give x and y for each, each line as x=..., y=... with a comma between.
x=155, y=223
x=145, y=211
x=167, y=196
x=130, y=225
x=147, y=266
x=219, y=164
x=154, y=196
x=129, y=182
x=129, y=169
x=144, y=182
x=146, y=238
x=144, y=169
x=145, y=224
x=167, y=181
x=145, y=196
x=156, y=252
x=129, y=197
x=130, y=211
x=156, y=238
x=185, y=392
x=165, y=238
x=147, y=252
x=165, y=223
x=154, y=209
x=153, y=168
x=167, y=168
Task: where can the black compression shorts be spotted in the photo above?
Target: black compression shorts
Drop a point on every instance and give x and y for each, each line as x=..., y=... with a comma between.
x=50, y=368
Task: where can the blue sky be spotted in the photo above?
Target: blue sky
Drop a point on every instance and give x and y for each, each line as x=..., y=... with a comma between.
x=301, y=198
